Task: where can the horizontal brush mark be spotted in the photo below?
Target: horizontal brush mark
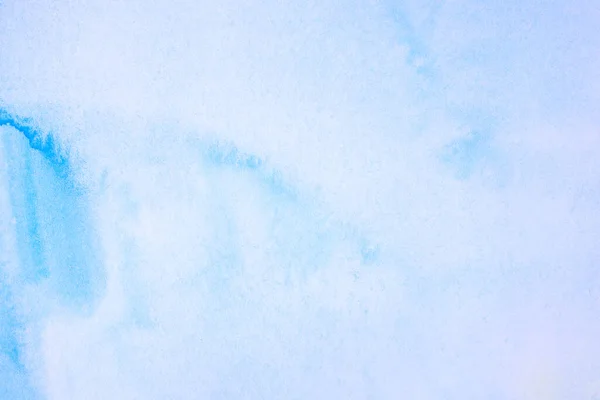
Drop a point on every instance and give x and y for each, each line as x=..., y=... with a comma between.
x=54, y=234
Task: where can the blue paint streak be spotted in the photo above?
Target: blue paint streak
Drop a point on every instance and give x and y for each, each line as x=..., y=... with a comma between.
x=24, y=200
x=55, y=243
x=55, y=239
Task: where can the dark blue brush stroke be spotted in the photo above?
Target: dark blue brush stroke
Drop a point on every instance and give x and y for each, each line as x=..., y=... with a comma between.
x=43, y=143
x=55, y=238
x=55, y=247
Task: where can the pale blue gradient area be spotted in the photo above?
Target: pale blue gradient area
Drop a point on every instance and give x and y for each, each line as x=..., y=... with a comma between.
x=397, y=200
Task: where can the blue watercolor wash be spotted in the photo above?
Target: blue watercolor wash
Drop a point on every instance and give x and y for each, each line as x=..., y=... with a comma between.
x=55, y=239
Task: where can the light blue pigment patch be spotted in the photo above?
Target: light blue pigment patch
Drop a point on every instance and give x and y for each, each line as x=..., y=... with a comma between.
x=301, y=240
x=475, y=153
x=224, y=154
x=55, y=238
x=298, y=245
x=464, y=154
x=418, y=54
x=369, y=253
